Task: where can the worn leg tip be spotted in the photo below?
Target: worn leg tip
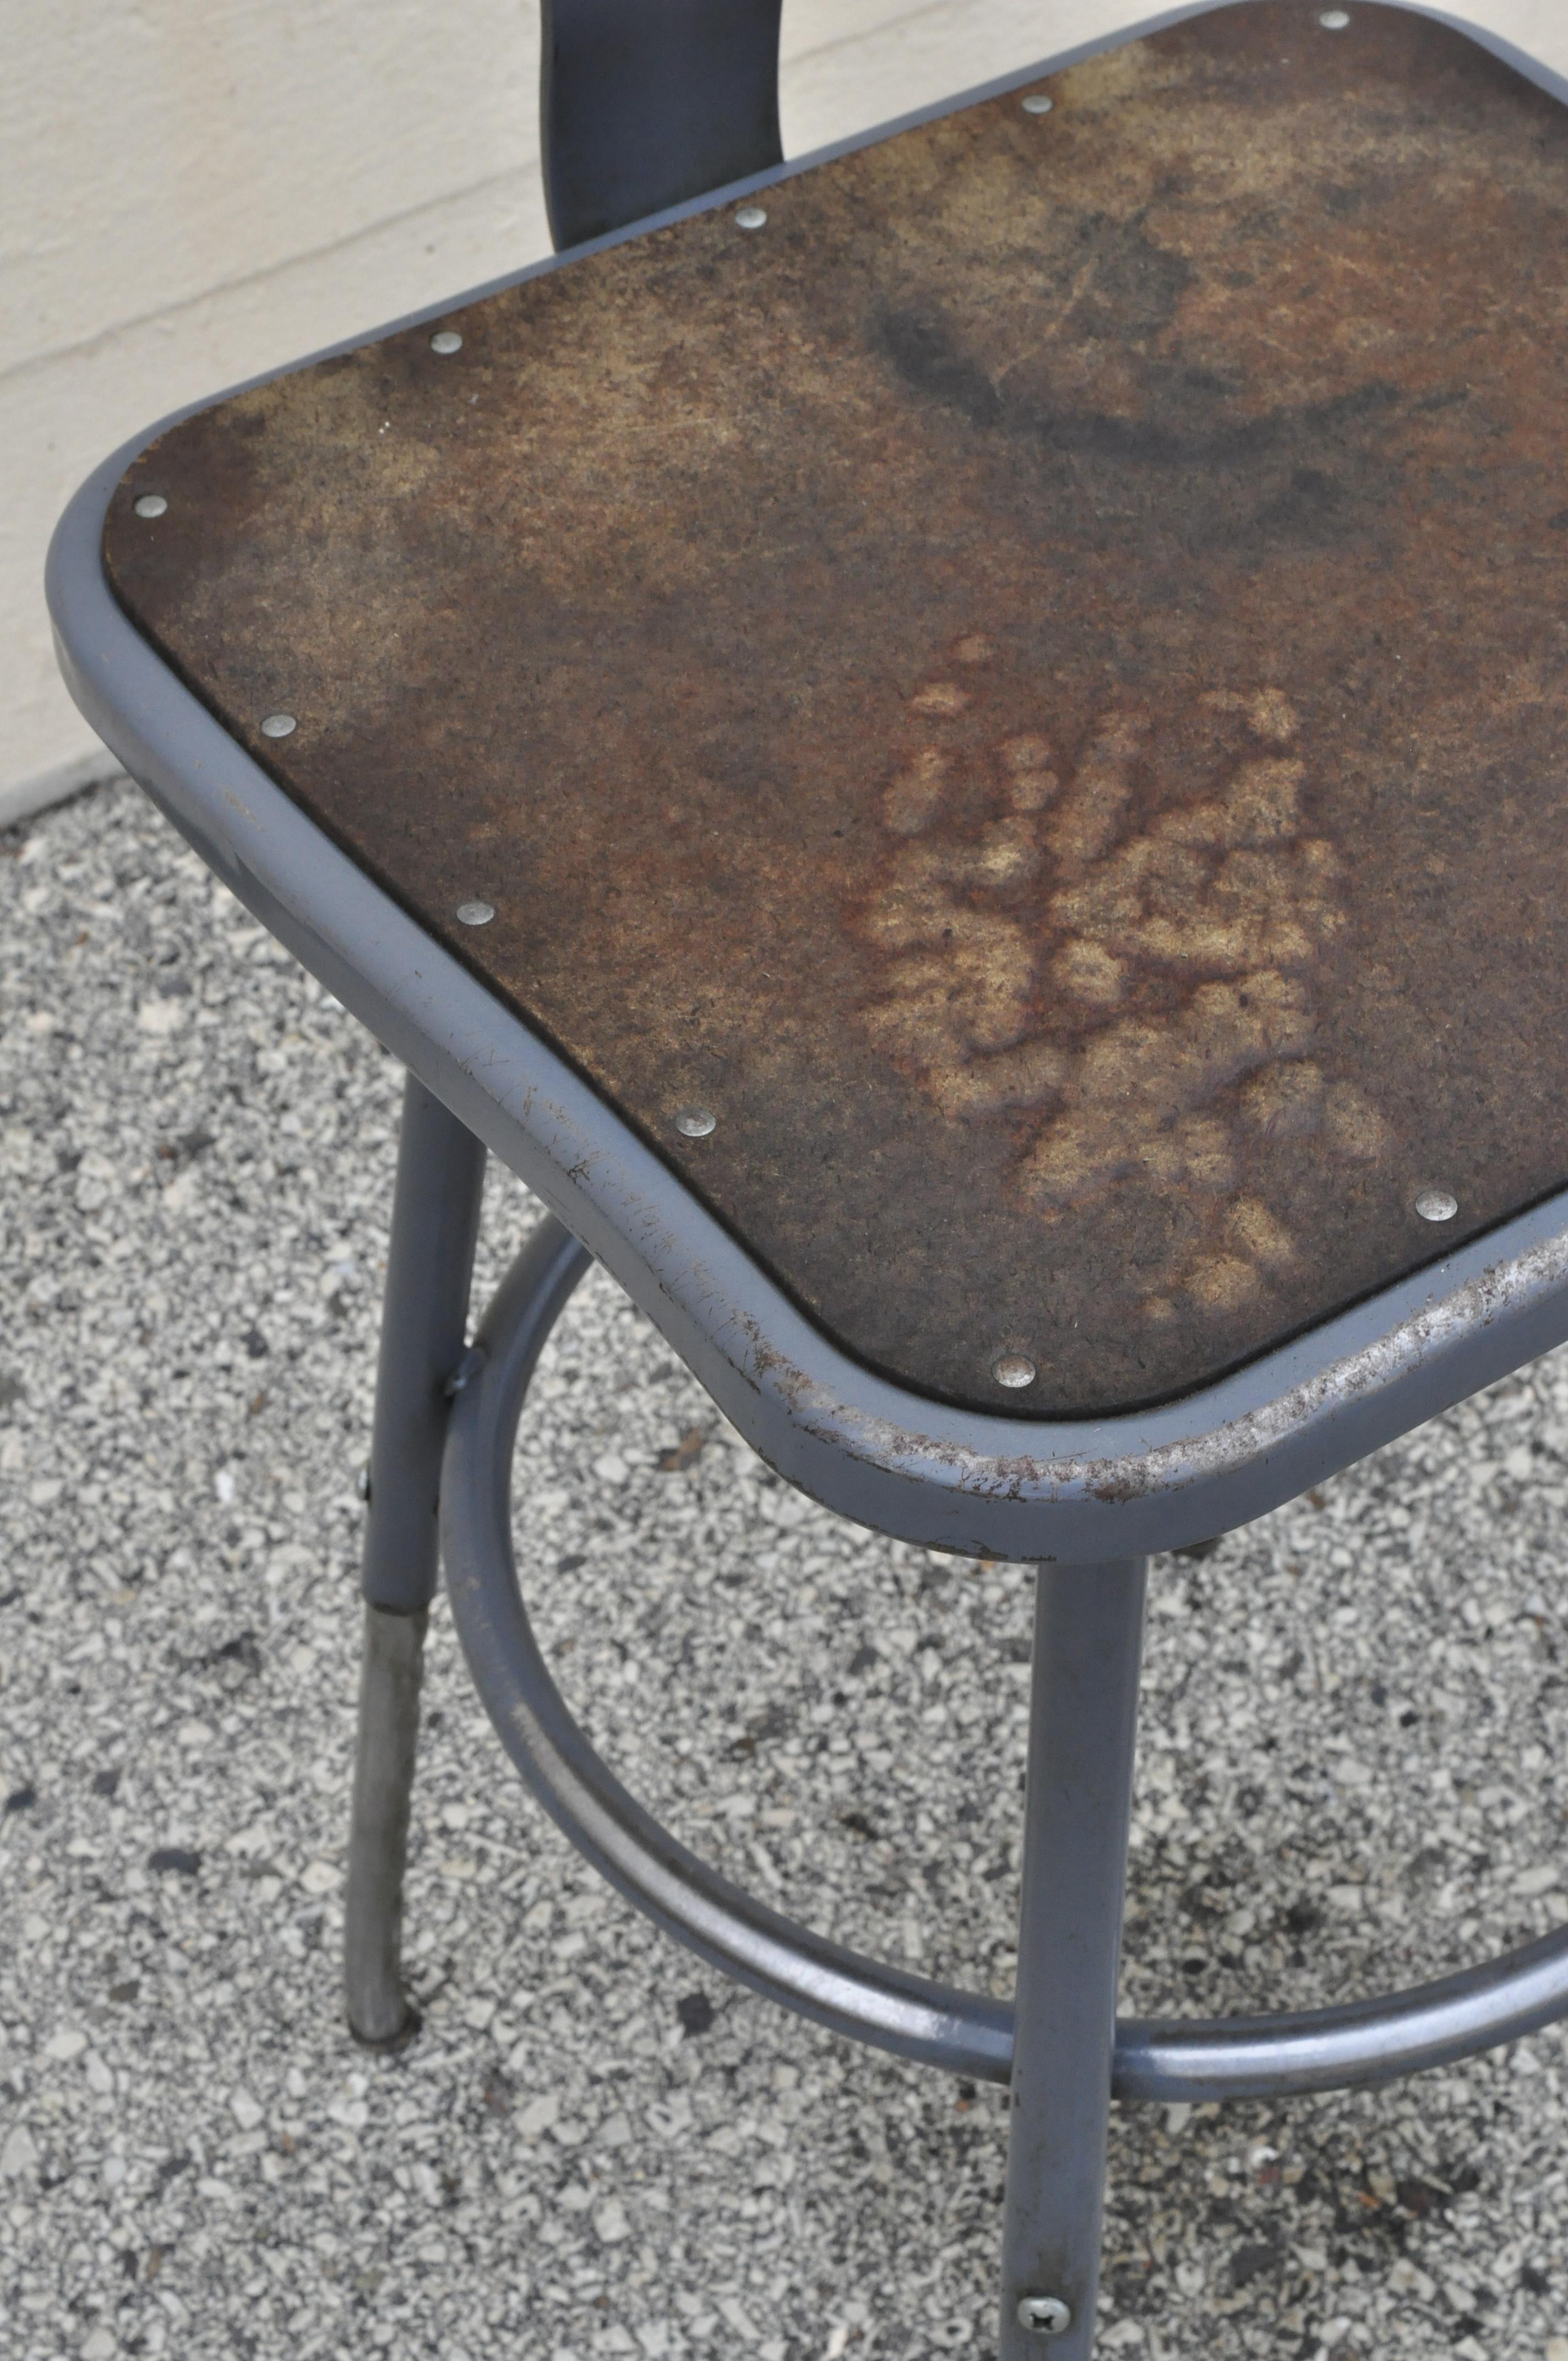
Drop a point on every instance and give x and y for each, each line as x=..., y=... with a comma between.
x=401, y=2034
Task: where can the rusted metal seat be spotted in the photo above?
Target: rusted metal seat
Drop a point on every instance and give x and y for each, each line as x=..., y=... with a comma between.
x=957, y=752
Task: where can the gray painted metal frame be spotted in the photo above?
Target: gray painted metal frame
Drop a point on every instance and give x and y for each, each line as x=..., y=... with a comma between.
x=424, y=1323
x=890, y=2007
x=640, y=107
x=1083, y=1727
x=1072, y=1491
x=1079, y=1493
x=424, y=1320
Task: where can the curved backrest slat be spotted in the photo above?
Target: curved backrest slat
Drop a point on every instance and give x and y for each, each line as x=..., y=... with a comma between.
x=645, y=102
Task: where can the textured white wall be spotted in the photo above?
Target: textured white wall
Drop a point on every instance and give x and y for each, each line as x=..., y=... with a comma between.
x=198, y=189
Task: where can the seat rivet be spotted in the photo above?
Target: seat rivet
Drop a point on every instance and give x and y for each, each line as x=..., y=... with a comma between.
x=1012, y=1371
x=694, y=1123
x=1037, y=102
x=1335, y=20
x=279, y=725
x=751, y=218
x=476, y=914
x=1044, y=2315
x=1436, y=1205
x=152, y=504
x=447, y=340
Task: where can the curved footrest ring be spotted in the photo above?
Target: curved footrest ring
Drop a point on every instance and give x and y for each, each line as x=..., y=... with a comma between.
x=968, y=2033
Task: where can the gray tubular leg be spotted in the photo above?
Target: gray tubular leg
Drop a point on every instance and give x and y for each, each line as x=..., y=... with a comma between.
x=430, y=1269
x=436, y=1221
x=389, y=1676
x=1083, y=1727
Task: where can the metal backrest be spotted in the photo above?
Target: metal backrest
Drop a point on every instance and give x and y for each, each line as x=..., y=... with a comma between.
x=646, y=102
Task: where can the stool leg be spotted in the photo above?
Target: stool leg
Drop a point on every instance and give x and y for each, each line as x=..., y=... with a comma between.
x=390, y=1669
x=436, y=1221
x=1082, y=1727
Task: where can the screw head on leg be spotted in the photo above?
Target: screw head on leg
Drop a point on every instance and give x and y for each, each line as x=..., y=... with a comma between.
x=1044, y=2315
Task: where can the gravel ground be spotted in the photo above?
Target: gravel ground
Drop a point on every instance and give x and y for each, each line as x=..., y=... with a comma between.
x=1354, y=1772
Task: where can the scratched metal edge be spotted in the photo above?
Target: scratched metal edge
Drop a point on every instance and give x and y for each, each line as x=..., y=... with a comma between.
x=973, y=1482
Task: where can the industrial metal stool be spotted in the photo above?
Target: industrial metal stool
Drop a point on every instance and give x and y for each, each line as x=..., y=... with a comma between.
x=956, y=753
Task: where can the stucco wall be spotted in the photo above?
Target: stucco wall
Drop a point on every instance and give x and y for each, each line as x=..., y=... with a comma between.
x=198, y=189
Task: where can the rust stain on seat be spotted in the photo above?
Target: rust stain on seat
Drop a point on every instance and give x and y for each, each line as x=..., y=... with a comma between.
x=1133, y=977
x=1036, y=688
